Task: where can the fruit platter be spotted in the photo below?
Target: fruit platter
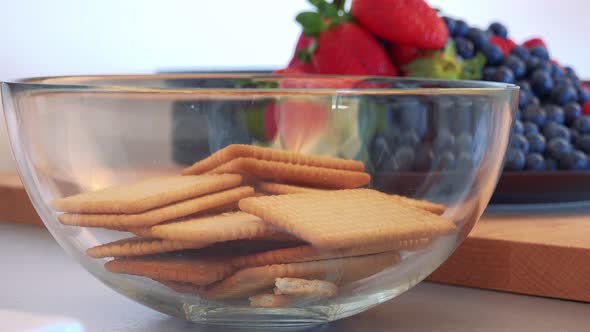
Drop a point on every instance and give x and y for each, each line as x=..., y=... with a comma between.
x=548, y=158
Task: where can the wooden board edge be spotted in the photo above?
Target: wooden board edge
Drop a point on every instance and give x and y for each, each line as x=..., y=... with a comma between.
x=517, y=267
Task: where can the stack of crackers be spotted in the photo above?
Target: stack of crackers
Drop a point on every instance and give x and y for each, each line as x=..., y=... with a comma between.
x=275, y=227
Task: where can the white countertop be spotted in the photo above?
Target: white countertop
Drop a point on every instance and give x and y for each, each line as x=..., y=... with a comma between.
x=37, y=276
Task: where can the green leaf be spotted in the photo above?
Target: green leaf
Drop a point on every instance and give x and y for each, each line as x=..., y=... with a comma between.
x=472, y=68
x=311, y=22
x=439, y=64
x=339, y=4
x=304, y=55
x=328, y=10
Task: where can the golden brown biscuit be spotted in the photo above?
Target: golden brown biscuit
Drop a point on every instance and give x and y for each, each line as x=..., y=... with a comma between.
x=146, y=194
x=235, y=151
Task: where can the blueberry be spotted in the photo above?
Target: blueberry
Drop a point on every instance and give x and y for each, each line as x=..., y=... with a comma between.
x=541, y=83
x=451, y=23
x=519, y=142
x=464, y=143
x=563, y=94
x=552, y=130
x=536, y=142
x=380, y=152
x=535, y=162
x=550, y=164
x=521, y=52
x=409, y=138
x=570, y=72
x=583, y=143
x=554, y=113
x=572, y=111
x=464, y=48
x=445, y=160
x=576, y=82
x=582, y=124
x=524, y=85
x=403, y=159
x=411, y=115
x=444, y=141
x=535, y=63
x=540, y=52
x=517, y=128
x=499, y=30
x=583, y=96
x=556, y=71
x=518, y=114
x=492, y=52
x=530, y=128
x=465, y=161
x=535, y=114
x=487, y=73
x=423, y=160
x=515, y=160
x=461, y=29
x=575, y=137
x=517, y=66
x=478, y=37
x=574, y=160
x=535, y=101
x=503, y=74
x=532, y=63
x=557, y=147
x=562, y=81
x=523, y=98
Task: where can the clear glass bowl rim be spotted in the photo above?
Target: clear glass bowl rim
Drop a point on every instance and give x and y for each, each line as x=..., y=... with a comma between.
x=92, y=82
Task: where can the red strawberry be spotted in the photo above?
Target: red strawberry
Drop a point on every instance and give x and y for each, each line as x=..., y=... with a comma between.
x=408, y=22
x=402, y=55
x=305, y=66
x=299, y=121
x=502, y=44
x=350, y=50
x=534, y=42
x=586, y=108
x=511, y=44
x=270, y=121
x=289, y=70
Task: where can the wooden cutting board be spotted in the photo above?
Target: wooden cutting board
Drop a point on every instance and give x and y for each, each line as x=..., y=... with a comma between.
x=545, y=254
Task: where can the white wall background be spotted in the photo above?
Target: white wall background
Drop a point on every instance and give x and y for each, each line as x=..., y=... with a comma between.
x=61, y=37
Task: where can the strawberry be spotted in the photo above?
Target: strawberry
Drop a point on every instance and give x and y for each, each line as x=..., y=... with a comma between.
x=340, y=46
x=511, y=43
x=402, y=55
x=534, y=42
x=408, y=22
x=502, y=44
x=299, y=60
x=586, y=108
x=348, y=49
x=289, y=70
x=270, y=121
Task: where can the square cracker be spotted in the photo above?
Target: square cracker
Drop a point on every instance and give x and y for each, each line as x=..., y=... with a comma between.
x=235, y=151
x=136, y=246
x=252, y=280
x=146, y=194
x=295, y=174
x=274, y=188
x=158, y=215
x=305, y=287
x=347, y=218
x=195, y=270
x=211, y=229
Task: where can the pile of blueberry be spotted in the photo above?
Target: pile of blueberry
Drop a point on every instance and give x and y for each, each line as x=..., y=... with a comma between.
x=551, y=132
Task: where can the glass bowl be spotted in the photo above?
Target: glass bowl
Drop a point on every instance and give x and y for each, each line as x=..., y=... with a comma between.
x=329, y=194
